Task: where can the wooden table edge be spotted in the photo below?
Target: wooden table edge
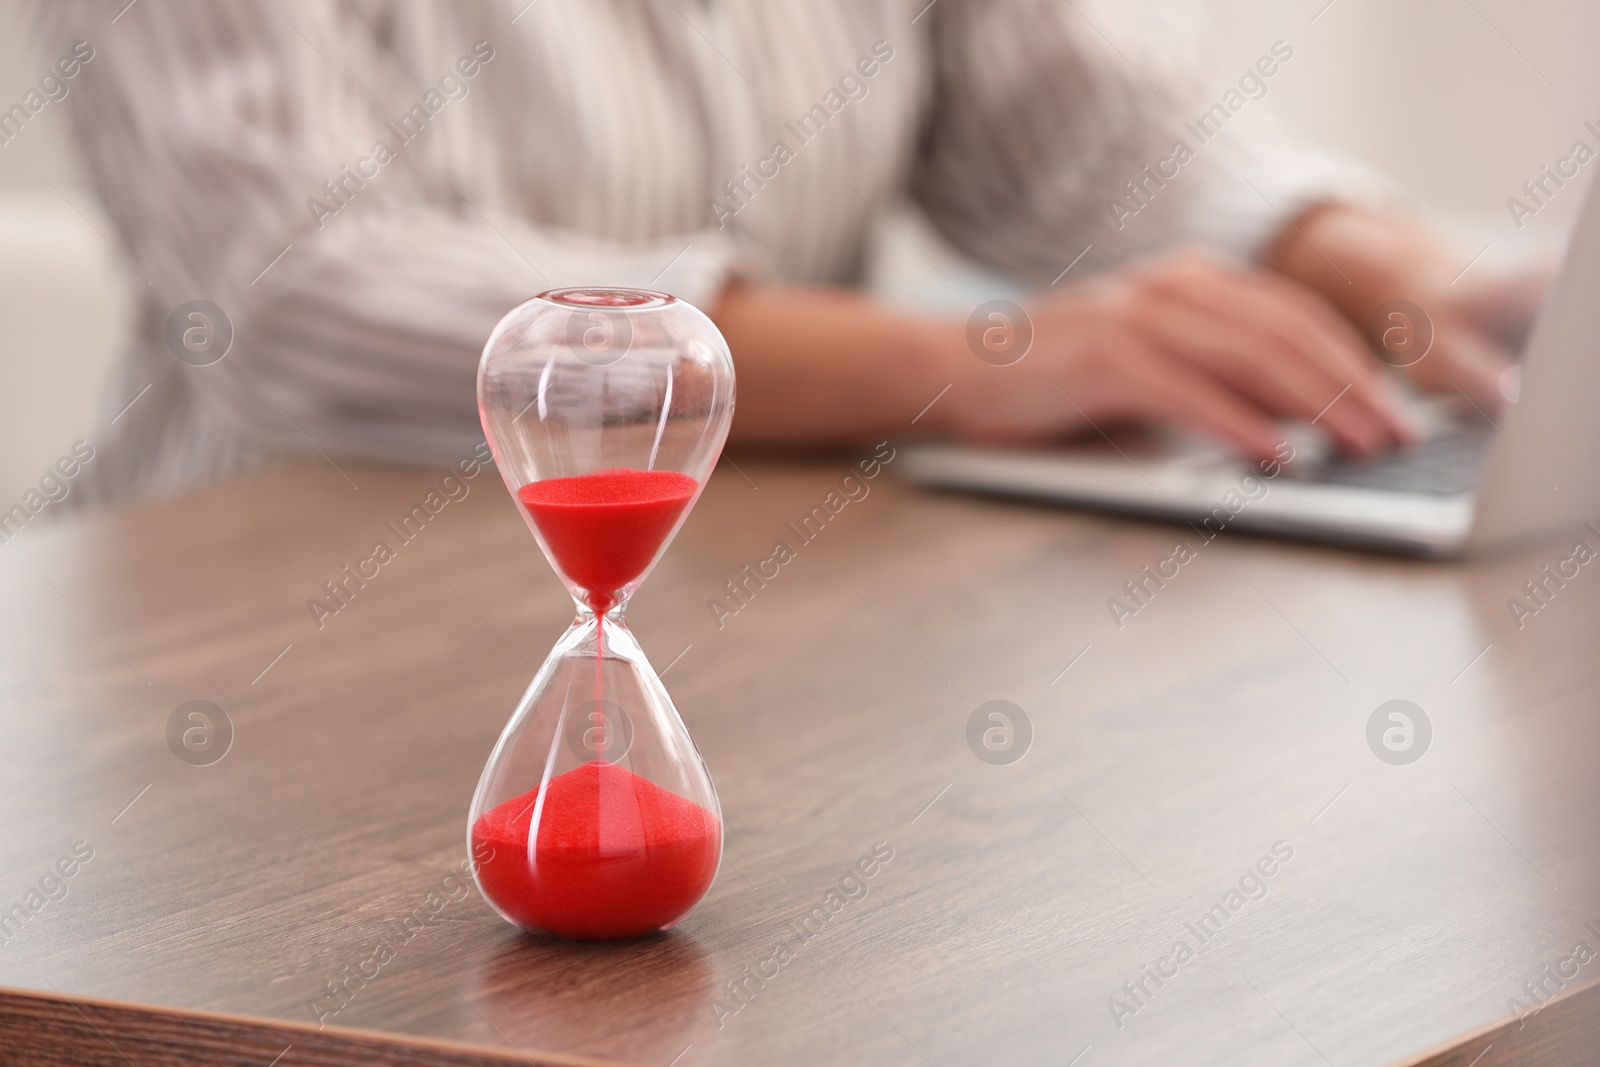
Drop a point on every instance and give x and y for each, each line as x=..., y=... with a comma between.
x=1566, y=1023
x=40, y=1024
x=53, y=1028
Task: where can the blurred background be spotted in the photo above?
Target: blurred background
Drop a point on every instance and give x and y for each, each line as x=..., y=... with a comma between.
x=1460, y=101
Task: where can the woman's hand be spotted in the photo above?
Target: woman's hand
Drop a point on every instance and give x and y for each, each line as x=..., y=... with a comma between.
x=1223, y=349
x=1449, y=325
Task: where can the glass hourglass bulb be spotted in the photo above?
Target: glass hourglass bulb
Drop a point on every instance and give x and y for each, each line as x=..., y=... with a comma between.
x=606, y=410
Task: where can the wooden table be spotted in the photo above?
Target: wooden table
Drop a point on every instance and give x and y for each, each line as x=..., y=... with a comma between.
x=1168, y=758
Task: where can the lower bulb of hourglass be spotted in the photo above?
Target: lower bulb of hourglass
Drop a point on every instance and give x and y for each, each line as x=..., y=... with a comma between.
x=595, y=818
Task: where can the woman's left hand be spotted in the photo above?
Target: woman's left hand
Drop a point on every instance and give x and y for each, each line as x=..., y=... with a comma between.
x=1450, y=326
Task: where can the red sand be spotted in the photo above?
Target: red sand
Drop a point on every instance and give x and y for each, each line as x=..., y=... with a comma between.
x=605, y=528
x=618, y=856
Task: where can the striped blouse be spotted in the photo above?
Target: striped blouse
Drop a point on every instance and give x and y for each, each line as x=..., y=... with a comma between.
x=364, y=187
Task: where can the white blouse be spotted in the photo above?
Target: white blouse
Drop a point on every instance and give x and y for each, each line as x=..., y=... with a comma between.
x=365, y=187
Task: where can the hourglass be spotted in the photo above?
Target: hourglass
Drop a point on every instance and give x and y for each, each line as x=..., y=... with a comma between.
x=606, y=410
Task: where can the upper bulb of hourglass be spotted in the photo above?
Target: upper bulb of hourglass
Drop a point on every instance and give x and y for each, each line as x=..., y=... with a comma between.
x=606, y=410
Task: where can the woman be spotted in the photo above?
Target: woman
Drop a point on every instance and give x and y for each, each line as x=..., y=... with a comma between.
x=364, y=188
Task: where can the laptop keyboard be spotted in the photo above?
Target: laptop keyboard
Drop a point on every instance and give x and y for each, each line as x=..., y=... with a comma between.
x=1446, y=465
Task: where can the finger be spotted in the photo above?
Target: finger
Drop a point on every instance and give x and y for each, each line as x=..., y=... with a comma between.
x=1309, y=327
x=1463, y=362
x=1350, y=353
x=1252, y=361
x=1503, y=305
x=1336, y=348
x=1154, y=383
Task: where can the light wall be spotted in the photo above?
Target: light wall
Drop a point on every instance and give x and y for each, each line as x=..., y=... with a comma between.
x=65, y=296
x=1461, y=100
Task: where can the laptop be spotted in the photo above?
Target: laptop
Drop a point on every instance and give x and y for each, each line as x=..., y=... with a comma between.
x=1471, y=485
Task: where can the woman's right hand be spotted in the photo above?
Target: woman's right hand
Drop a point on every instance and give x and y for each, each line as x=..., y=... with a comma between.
x=1224, y=349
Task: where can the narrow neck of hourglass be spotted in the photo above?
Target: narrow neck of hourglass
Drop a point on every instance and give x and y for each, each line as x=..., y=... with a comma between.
x=609, y=606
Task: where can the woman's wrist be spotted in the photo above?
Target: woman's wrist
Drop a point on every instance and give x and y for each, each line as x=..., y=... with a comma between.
x=947, y=369
x=822, y=365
